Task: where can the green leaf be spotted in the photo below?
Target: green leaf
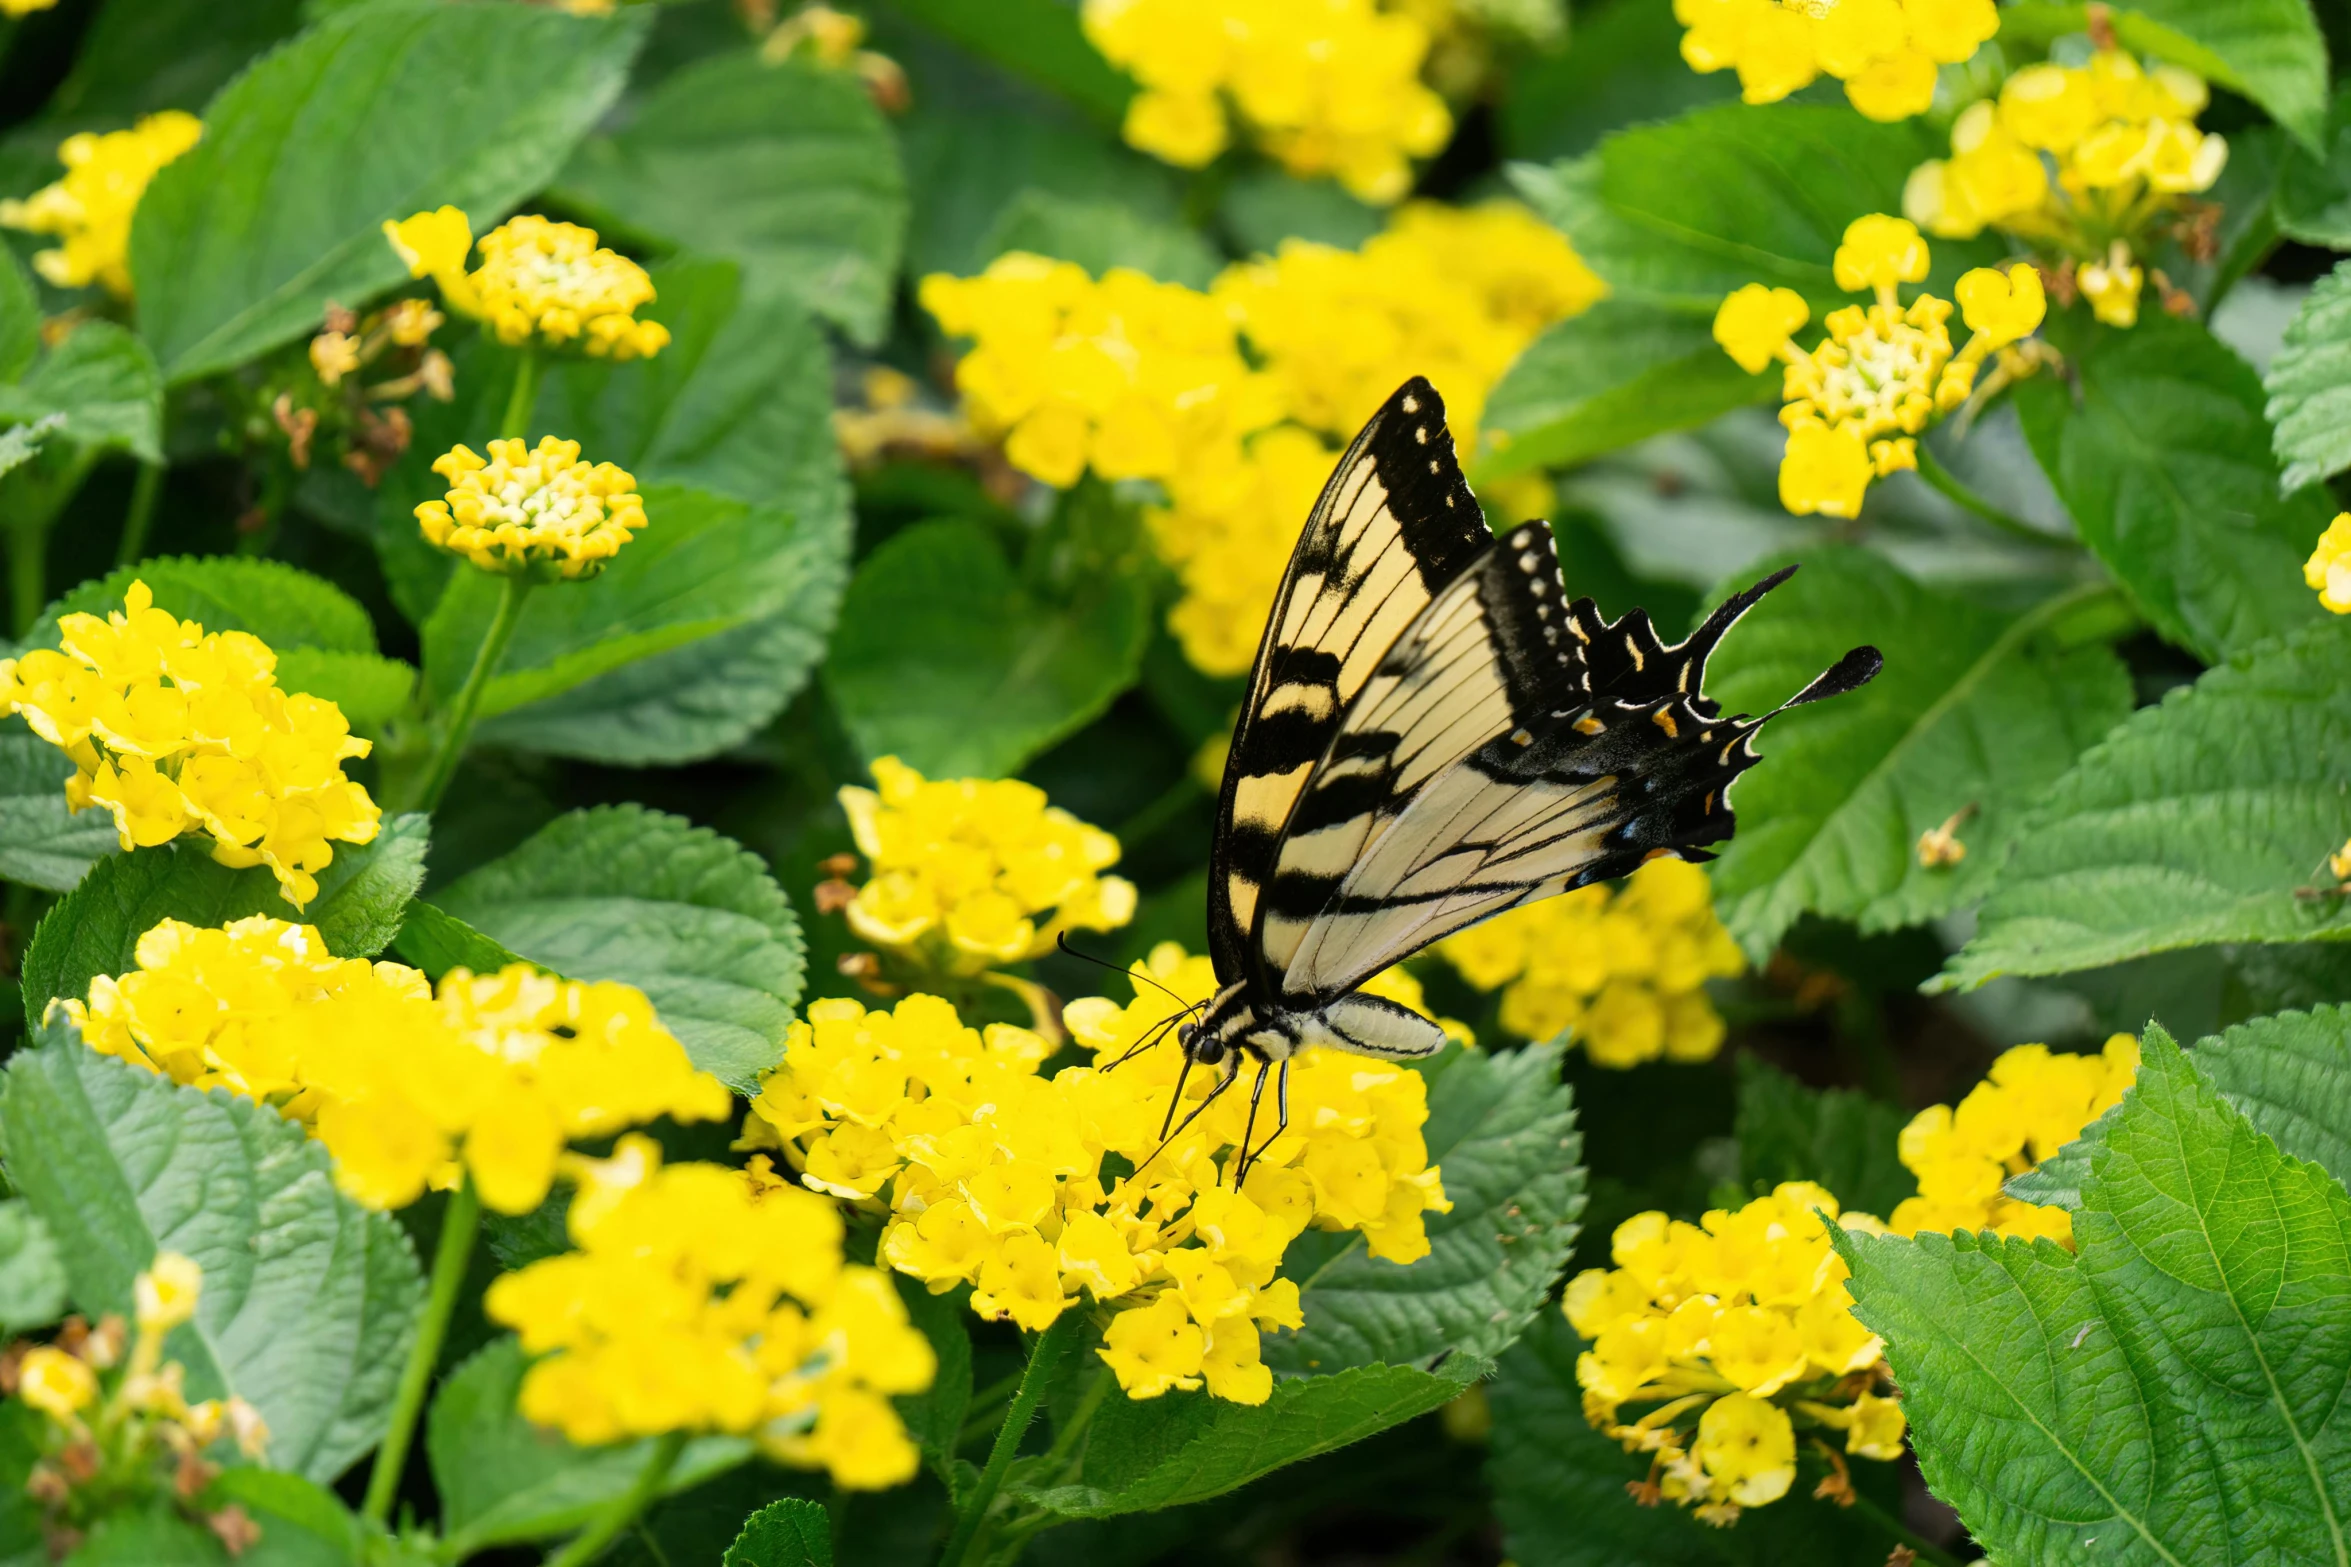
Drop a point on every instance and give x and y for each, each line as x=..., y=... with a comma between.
x=1502, y=1128
x=2197, y=821
x=103, y=384
x=1680, y=213
x=945, y=660
x=371, y=690
x=1624, y=65
x=2314, y=188
x=1973, y=708
x=2309, y=385
x=283, y=606
x=1559, y=1485
x=303, y=1524
x=739, y=403
x=1842, y=1139
x=95, y=928
x=43, y=844
x=143, y=55
x=2272, y=51
x=1621, y=372
x=20, y=317
x=2162, y=456
x=436, y=942
x=309, y=1301
x=1036, y=39
x=789, y=168
x=32, y=1274
x=21, y=443
x=690, y=918
x=2290, y=1075
x=696, y=635
x=1188, y=1447
x=2169, y=1392
x=503, y=1480
x=793, y=1532
x=144, y=1536
x=1099, y=235
x=1261, y=207
x=370, y=116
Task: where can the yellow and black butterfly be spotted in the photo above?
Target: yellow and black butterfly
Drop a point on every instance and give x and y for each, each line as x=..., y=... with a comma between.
x=1434, y=735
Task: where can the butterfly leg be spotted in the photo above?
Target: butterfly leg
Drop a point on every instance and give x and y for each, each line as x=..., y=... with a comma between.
x=1232, y=1075
x=1249, y=1127
x=1281, y=1103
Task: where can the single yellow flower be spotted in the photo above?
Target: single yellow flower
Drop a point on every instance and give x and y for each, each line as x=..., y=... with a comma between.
x=2328, y=570
x=540, y=511
x=56, y=1383
x=165, y=1295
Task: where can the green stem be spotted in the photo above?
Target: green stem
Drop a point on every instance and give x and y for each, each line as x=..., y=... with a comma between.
x=28, y=573
x=144, y=494
x=459, y=723
x=590, y=1542
x=459, y=1224
x=1948, y=485
x=524, y=400
x=1044, y=1357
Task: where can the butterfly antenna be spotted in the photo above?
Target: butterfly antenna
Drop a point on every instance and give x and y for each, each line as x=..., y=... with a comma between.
x=1158, y=1032
x=1061, y=940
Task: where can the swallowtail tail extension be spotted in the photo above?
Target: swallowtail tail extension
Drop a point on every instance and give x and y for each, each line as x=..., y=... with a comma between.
x=1435, y=734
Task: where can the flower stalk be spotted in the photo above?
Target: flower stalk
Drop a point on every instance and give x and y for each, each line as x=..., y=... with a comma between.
x=1045, y=1357
x=512, y=591
x=590, y=1542
x=459, y=1225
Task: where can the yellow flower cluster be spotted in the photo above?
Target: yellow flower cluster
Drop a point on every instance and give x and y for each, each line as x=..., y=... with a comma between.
x=964, y=869
x=2328, y=570
x=173, y=730
x=1742, y=1323
x=2033, y=1103
x=24, y=7
x=112, y=1451
x=1625, y=970
x=1327, y=87
x=538, y=511
x=1855, y=404
x=537, y=279
x=1235, y=400
x=700, y=1299
x=2125, y=149
x=89, y=211
x=994, y=1175
x=1884, y=51
x=491, y=1079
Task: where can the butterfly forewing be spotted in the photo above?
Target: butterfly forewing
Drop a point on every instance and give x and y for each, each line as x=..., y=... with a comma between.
x=1395, y=523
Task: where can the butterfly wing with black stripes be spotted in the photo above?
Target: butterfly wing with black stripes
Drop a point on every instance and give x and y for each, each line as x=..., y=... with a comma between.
x=1435, y=735
x=1395, y=524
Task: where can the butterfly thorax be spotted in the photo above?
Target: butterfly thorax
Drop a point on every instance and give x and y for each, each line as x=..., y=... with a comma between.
x=1235, y=1023
x=1242, y=1021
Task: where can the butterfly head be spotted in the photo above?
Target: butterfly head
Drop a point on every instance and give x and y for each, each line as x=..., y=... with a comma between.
x=1205, y=1047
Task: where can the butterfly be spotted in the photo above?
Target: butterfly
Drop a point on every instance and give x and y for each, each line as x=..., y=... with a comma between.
x=1434, y=735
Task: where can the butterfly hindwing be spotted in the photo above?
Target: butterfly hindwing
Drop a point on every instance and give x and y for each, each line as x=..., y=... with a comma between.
x=1395, y=523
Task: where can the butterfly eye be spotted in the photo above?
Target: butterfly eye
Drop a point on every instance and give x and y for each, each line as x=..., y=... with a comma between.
x=1185, y=1034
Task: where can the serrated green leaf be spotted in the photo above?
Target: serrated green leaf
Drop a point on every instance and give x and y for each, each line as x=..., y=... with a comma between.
x=21, y=443
x=240, y=243
x=95, y=928
x=2196, y=822
x=1842, y=1139
x=437, y=941
x=369, y=689
x=793, y=1532
x=690, y=918
x=283, y=606
x=1973, y=708
x=1039, y=40
x=42, y=843
x=698, y=633
x=788, y=168
x=2157, y=445
x=2290, y=1075
x=944, y=660
x=1099, y=235
x=503, y=1480
x=1621, y=372
x=2314, y=187
x=102, y=384
x=2171, y=1391
x=1680, y=213
x=32, y=1274
x=310, y=1301
x=1188, y=1447
x=2309, y=385
x=1502, y=1129
x=1559, y=1485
